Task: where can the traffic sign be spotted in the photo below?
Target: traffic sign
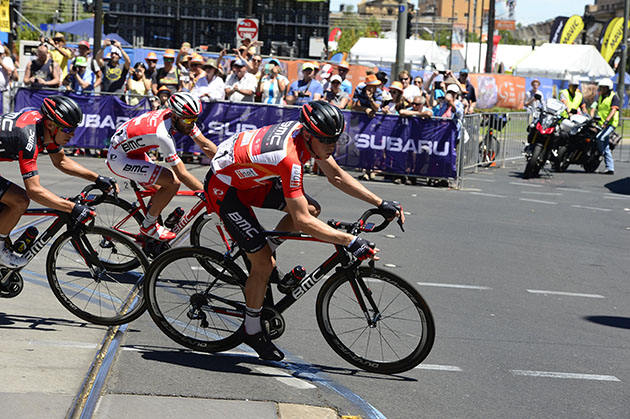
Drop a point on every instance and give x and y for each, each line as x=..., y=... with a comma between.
x=247, y=29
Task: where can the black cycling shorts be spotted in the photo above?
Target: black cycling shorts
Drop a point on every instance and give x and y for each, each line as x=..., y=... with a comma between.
x=5, y=184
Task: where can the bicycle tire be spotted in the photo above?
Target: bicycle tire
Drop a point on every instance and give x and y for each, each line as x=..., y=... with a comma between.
x=344, y=326
x=114, y=298
x=198, y=305
x=489, y=150
x=204, y=233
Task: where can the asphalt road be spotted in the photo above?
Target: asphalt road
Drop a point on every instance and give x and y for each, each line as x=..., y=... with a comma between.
x=527, y=281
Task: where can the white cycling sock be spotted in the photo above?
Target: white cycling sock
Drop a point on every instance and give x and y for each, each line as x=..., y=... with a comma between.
x=149, y=220
x=252, y=320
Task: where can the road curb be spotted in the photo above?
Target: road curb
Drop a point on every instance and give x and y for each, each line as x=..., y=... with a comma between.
x=300, y=411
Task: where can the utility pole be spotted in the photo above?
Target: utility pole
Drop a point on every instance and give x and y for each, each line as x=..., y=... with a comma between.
x=467, y=31
x=98, y=24
x=402, y=33
x=450, y=49
x=490, y=44
x=621, y=87
x=483, y=2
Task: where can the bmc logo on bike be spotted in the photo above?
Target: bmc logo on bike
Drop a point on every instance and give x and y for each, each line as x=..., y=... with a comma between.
x=134, y=168
x=397, y=144
x=243, y=224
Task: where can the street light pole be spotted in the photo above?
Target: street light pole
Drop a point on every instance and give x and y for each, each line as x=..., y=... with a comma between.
x=98, y=24
x=621, y=88
x=489, y=48
x=402, y=35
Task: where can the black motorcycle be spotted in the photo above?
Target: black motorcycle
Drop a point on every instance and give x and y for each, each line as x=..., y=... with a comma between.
x=542, y=138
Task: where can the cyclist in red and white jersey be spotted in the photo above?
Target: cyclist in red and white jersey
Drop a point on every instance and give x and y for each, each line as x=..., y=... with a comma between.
x=264, y=168
x=23, y=135
x=127, y=156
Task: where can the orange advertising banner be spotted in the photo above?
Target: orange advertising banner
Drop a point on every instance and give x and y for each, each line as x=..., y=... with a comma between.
x=500, y=90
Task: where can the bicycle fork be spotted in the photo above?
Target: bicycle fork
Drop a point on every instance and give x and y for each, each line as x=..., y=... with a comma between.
x=363, y=292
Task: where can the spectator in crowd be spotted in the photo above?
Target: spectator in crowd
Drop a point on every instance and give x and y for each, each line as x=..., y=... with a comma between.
x=409, y=90
x=323, y=76
x=452, y=107
x=256, y=67
x=184, y=51
x=80, y=79
x=305, y=90
x=342, y=69
x=59, y=53
x=418, y=107
x=137, y=84
x=211, y=87
x=84, y=51
x=271, y=86
x=572, y=98
x=470, y=95
x=240, y=85
x=397, y=102
x=164, y=93
x=151, y=71
x=368, y=96
x=7, y=69
x=335, y=95
x=115, y=71
x=195, y=63
x=382, y=77
x=531, y=103
x=169, y=74
x=608, y=108
x=184, y=74
x=42, y=72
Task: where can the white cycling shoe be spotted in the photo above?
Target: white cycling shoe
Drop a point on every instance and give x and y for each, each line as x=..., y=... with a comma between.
x=11, y=260
x=158, y=232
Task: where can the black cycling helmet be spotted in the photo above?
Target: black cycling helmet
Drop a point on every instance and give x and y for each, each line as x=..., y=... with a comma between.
x=323, y=120
x=185, y=105
x=62, y=110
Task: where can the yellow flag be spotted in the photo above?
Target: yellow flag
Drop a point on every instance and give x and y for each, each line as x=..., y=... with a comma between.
x=572, y=29
x=5, y=18
x=614, y=39
x=607, y=35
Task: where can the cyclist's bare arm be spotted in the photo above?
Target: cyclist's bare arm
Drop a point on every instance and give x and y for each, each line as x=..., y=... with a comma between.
x=306, y=223
x=72, y=168
x=186, y=177
x=43, y=196
x=207, y=146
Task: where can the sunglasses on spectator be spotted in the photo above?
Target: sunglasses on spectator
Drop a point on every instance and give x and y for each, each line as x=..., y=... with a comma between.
x=194, y=64
x=336, y=82
x=256, y=61
x=417, y=82
x=416, y=104
x=168, y=59
x=404, y=78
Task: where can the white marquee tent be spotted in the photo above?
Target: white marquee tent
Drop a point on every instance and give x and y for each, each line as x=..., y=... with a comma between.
x=375, y=51
x=509, y=55
x=561, y=61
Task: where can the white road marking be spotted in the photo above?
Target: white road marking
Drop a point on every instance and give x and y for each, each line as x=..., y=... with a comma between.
x=436, y=367
x=616, y=197
x=466, y=287
x=480, y=180
x=284, y=377
x=538, y=201
x=471, y=189
x=568, y=294
x=389, y=265
x=487, y=194
x=573, y=190
x=533, y=185
x=541, y=193
x=591, y=208
x=549, y=374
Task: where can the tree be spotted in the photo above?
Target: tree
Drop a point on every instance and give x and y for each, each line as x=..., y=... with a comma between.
x=354, y=28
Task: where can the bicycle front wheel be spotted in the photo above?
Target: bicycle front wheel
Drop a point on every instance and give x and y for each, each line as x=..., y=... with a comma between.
x=387, y=329
x=197, y=298
x=82, y=270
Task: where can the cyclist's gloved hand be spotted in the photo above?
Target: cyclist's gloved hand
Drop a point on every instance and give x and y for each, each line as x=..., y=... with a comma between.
x=391, y=208
x=361, y=248
x=105, y=184
x=82, y=213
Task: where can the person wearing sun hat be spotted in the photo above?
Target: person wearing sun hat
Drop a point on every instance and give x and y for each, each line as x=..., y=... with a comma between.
x=368, y=96
x=59, y=53
x=306, y=90
x=169, y=74
x=195, y=69
x=342, y=69
x=84, y=51
x=151, y=72
x=398, y=101
x=210, y=87
x=334, y=95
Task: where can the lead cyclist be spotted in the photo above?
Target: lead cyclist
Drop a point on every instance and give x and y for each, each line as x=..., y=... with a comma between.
x=264, y=168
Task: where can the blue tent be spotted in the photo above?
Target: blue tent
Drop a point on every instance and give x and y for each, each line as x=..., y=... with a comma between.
x=83, y=27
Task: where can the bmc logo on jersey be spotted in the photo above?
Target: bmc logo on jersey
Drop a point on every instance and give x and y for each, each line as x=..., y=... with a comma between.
x=296, y=176
x=243, y=225
x=129, y=145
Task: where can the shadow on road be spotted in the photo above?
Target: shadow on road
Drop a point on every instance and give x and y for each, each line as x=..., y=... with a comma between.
x=16, y=321
x=612, y=321
x=620, y=186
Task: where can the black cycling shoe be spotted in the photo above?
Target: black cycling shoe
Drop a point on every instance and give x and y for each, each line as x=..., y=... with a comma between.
x=261, y=343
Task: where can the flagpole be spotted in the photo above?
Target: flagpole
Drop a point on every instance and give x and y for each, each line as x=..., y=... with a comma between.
x=621, y=88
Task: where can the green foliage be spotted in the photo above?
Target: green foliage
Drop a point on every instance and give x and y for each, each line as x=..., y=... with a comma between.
x=353, y=28
x=507, y=37
x=27, y=33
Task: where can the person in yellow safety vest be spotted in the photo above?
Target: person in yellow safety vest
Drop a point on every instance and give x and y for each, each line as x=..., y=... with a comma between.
x=607, y=106
x=572, y=98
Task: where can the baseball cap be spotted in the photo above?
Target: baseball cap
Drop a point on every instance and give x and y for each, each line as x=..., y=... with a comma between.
x=59, y=35
x=107, y=56
x=344, y=64
x=115, y=50
x=151, y=56
x=240, y=63
x=453, y=88
x=371, y=80
x=463, y=71
x=274, y=61
x=164, y=89
x=574, y=81
x=336, y=77
x=307, y=66
x=81, y=62
x=396, y=85
x=85, y=44
x=169, y=53
x=326, y=71
x=439, y=93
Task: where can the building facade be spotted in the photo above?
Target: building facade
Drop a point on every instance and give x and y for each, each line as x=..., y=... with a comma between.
x=458, y=9
x=168, y=23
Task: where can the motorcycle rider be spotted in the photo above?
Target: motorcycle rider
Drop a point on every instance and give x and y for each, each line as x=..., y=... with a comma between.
x=607, y=107
x=572, y=98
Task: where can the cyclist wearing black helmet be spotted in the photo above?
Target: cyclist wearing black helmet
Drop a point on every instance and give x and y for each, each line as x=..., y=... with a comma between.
x=264, y=168
x=23, y=136
x=127, y=156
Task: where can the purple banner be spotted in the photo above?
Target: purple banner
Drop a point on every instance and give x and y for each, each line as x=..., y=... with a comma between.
x=393, y=144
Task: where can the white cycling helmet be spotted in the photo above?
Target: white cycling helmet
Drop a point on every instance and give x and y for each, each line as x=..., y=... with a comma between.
x=185, y=105
x=605, y=83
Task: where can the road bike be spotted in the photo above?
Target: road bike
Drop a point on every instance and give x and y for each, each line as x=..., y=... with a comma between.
x=83, y=267
x=372, y=318
x=126, y=217
x=490, y=146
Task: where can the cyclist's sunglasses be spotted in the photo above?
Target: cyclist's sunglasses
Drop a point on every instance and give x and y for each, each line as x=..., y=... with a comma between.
x=189, y=121
x=67, y=130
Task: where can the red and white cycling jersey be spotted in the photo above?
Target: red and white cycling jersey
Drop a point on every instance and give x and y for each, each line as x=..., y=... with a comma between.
x=145, y=132
x=254, y=158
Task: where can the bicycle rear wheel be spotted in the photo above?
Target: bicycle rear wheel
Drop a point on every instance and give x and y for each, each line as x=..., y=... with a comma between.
x=82, y=270
x=197, y=298
x=489, y=150
x=400, y=333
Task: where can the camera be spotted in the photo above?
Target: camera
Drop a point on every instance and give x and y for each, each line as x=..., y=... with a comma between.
x=442, y=72
x=74, y=68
